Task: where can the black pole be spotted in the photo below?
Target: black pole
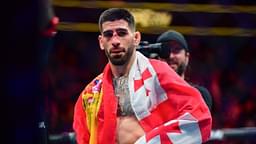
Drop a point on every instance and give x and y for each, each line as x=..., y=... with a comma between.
x=47, y=31
x=29, y=35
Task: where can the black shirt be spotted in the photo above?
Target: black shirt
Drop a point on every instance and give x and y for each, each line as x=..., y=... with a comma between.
x=205, y=94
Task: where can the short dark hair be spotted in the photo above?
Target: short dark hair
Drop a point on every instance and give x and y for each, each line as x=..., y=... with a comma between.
x=113, y=14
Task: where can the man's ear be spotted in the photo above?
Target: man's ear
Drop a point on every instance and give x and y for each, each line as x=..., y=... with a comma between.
x=100, y=42
x=137, y=38
x=187, y=54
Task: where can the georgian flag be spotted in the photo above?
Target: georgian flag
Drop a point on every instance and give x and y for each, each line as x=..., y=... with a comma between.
x=181, y=131
x=150, y=92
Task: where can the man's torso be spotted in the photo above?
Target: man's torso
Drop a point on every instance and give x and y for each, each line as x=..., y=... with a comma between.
x=128, y=127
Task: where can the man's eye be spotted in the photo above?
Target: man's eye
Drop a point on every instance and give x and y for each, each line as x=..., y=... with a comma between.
x=175, y=49
x=121, y=33
x=108, y=34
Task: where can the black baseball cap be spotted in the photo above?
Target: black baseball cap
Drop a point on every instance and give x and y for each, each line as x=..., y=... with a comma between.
x=172, y=35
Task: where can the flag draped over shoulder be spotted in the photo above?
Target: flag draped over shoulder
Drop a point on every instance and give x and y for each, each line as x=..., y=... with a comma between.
x=169, y=110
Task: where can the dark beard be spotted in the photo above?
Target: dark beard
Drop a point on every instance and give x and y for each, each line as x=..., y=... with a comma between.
x=122, y=59
x=181, y=69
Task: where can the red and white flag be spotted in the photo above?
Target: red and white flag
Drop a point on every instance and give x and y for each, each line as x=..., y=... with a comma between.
x=169, y=109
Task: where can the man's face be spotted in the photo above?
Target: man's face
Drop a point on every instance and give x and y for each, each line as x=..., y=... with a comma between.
x=118, y=41
x=178, y=58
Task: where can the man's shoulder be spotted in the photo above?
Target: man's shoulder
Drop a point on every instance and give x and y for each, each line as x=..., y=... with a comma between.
x=200, y=88
x=205, y=94
x=157, y=61
x=163, y=68
x=94, y=83
x=159, y=64
x=92, y=90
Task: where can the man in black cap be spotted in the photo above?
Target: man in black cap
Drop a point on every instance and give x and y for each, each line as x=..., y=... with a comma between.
x=179, y=58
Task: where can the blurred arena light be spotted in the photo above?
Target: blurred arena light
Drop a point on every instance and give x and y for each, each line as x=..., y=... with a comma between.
x=174, y=7
x=164, y=17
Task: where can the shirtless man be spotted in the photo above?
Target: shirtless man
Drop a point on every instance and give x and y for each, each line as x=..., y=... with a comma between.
x=123, y=104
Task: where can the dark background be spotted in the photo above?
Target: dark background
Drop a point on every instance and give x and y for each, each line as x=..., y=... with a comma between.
x=43, y=76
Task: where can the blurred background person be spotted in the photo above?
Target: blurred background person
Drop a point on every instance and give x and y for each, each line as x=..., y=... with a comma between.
x=178, y=58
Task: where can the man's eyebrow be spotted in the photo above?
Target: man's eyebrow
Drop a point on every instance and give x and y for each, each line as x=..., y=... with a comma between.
x=121, y=29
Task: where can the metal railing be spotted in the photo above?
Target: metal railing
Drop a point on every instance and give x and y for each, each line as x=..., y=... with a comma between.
x=244, y=133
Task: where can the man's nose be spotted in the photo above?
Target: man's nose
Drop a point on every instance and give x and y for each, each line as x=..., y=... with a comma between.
x=171, y=55
x=115, y=40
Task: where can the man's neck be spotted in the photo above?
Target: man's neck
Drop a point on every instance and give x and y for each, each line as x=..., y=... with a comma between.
x=182, y=76
x=122, y=70
x=119, y=71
